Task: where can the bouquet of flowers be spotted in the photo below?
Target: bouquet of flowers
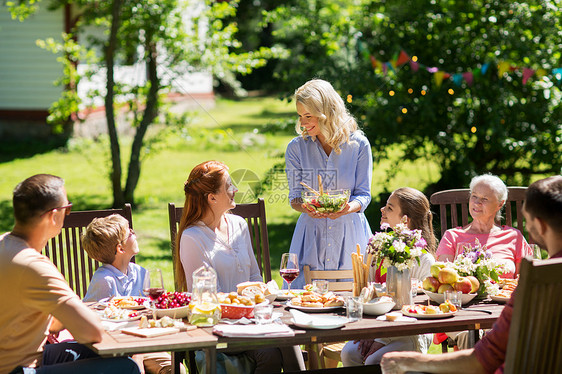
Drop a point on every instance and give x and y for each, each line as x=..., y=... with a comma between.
x=478, y=262
x=400, y=247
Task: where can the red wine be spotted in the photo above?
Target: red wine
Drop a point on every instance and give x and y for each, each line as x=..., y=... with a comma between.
x=154, y=292
x=289, y=274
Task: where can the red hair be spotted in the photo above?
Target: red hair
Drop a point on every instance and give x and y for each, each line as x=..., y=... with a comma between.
x=204, y=179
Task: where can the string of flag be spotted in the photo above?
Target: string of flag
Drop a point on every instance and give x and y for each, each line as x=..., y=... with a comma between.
x=439, y=75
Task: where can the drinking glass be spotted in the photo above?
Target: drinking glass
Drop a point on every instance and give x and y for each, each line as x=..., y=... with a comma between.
x=354, y=309
x=263, y=313
x=415, y=286
x=320, y=286
x=455, y=297
x=536, y=252
x=153, y=285
x=289, y=268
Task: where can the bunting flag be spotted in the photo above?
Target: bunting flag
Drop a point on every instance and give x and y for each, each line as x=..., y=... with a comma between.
x=503, y=67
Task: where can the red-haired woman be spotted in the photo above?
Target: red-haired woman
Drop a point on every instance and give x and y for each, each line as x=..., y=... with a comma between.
x=210, y=235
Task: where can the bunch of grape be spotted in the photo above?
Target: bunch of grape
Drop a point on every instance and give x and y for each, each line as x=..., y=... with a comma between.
x=170, y=300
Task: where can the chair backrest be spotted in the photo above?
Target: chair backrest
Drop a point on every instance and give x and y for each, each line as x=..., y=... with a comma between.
x=67, y=253
x=254, y=214
x=332, y=276
x=535, y=334
x=454, y=203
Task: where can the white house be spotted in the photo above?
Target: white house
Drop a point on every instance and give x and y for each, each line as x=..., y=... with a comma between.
x=28, y=73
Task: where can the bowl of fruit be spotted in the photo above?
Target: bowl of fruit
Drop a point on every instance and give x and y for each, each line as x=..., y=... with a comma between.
x=326, y=202
x=172, y=304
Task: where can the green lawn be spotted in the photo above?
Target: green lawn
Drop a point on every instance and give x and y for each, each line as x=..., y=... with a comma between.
x=231, y=132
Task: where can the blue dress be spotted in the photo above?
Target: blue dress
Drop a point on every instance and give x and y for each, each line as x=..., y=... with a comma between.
x=324, y=243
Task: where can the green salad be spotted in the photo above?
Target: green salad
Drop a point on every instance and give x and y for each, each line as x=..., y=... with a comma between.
x=326, y=203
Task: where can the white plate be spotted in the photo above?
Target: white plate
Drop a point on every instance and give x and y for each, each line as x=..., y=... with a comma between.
x=319, y=323
x=104, y=302
x=314, y=309
x=429, y=316
x=500, y=299
x=120, y=320
x=282, y=294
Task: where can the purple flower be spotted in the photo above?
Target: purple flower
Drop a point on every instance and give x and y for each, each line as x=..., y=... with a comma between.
x=472, y=256
x=421, y=243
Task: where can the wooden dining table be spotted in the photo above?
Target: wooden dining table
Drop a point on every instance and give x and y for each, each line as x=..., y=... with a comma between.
x=479, y=314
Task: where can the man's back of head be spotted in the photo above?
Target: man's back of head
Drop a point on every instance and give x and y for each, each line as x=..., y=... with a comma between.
x=36, y=196
x=544, y=200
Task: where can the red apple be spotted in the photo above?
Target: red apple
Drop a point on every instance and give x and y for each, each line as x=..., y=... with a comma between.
x=464, y=285
x=448, y=275
x=445, y=287
x=475, y=283
x=431, y=284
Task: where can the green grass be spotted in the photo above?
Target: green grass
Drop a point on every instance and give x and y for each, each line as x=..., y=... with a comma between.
x=84, y=166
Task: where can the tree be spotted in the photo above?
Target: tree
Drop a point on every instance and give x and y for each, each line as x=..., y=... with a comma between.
x=497, y=124
x=157, y=33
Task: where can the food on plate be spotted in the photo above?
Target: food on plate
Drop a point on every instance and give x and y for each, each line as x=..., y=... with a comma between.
x=393, y=316
x=507, y=290
x=113, y=312
x=165, y=321
x=126, y=301
x=169, y=300
x=502, y=282
x=368, y=293
x=311, y=299
x=327, y=202
x=447, y=307
x=422, y=309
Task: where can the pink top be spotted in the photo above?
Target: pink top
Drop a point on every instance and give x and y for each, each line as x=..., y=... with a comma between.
x=507, y=246
x=491, y=350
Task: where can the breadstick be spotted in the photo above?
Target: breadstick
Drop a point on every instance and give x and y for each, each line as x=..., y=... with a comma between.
x=355, y=272
x=320, y=188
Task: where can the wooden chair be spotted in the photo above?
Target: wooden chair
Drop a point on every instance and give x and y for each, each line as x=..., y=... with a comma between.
x=66, y=251
x=449, y=202
x=254, y=214
x=328, y=355
x=453, y=212
x=535, y=334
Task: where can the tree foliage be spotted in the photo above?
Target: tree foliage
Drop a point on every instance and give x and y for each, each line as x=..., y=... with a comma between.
x=168, y=37
x=497, y=124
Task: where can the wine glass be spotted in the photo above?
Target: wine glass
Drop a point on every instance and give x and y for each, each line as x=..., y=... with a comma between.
x=289, y=268
x=153, y=285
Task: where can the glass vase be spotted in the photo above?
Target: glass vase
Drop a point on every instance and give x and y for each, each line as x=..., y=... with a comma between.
x=399, y=285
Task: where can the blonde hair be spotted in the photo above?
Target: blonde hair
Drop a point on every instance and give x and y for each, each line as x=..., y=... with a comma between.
x=102, y=236
x=334, y=120
x=204, y=179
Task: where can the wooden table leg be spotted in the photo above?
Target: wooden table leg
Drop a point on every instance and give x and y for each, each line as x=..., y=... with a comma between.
x=177, y=359
x=211, y=360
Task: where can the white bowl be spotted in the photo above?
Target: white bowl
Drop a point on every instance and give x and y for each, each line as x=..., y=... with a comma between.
x=181, y=312
x=439, y=298
x=376, y=307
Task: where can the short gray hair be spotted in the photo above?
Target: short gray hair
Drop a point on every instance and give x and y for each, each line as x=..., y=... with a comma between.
x=495, y=183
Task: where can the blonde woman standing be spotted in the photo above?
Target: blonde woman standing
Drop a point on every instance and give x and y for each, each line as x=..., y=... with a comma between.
x=331, y=145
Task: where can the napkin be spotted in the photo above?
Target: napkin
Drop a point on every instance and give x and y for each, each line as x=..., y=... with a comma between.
x=318, y=321
x=241, y=321
x=399, y=319
x=253, y=331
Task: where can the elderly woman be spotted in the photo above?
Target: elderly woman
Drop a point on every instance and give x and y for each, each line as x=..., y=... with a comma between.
x=488, y=194
x=508, y=246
